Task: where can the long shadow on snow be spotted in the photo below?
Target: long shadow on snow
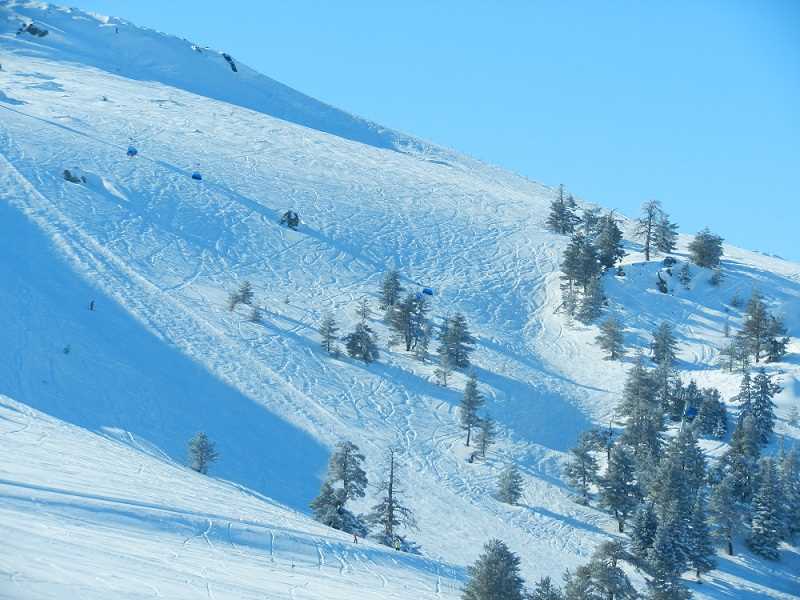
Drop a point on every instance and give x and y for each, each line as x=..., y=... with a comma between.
x=119, y=377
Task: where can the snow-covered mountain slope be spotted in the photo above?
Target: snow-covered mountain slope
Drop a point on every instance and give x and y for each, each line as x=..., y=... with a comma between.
x=85, y=516
x=161, y=356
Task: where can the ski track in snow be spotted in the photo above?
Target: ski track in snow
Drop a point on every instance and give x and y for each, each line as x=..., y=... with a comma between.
x=168, y=250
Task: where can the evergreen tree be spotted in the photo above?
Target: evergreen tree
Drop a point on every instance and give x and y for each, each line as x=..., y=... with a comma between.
x=471, y=402
x=646, y=226
x=363, y=310
x=562, y=218
x=202, y=452
x=723, y=512
x=712, y=418
x=545, y=590
x=734, y=356
x=590, y=222
x=765, y=517
x=609, y=242
x=362, y=343
x=346, y=480
x=685, y=275
x=592, y=302
x=667, y=558
x=487, y=433
x=390, y=514
x=579, y=585
x=790, y=493
x=581, y=470
x=409, y=319
x=681, y=474
x=495, y=575
x=645, y=421
x=667, y=385
x=745, y=396
x=423, y=342
x=756, y=328
x=619, y=490
x=740, y=459
x=777, y=340
x=390, y=289
x=456, y=341
x=611, y=338
x=763, y=408
x=705, y=249
x=244, y=295
x=701, y=552
x=607, y=577
x=664, y=346
x=666, y=234
x=643, y=530
x=444, y=370
x=509, y=485
x=328, y=330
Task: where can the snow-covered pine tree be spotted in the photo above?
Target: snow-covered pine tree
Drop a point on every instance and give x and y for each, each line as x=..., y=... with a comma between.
x=611, y=338
x=409, y=319
x=581, y=470
x=202, y=452
x=705, y=249
x=255, y=315
x=471, y=402
x=712, y=418
x=509, y=485
x=666, y=234
x=609, y=242
x=765, y=512
x=745, y=396
x=739, y=461
x=390, y=289
x=643, y=530
x=646, y=226
x=327, y=331
x=762, y=407
x=723, y=512
x=685, y=275
x=545, y=589
x=667, y=558
x=243, y=295
x=390, y=515
x=756, y=326
x=346, y=480
x=608, y=578
x=562, y=218
x=363, y=311
x=777, y=340
x=590, y=222
x=592, y=301
x=487, y=433
x=456, y=341
x=423, y=342
x=790, y=493
x=645, y=418
x=619, y=490
x=362, y=343
x=701, y=551
x=664, y=345
x=495, y=575
x=444, y=370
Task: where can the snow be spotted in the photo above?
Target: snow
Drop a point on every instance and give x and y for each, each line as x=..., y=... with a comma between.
x=161, y=357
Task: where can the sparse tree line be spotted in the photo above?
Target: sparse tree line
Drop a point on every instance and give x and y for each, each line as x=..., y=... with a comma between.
x=677, y=506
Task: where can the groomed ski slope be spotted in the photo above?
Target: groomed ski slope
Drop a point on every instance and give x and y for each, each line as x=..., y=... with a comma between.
x=162, y=357
x=103, y=519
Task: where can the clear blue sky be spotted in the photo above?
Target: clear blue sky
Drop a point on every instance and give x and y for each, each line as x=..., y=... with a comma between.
x=694, y=103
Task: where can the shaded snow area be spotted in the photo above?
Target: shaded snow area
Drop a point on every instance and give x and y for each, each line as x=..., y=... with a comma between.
x=94, y=500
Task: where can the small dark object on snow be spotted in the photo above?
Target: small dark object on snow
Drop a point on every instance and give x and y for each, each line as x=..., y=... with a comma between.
x=67, y=349
x=196, y=175
x=669, y=261
x=33, y=30
x=620, y=271
x=91, y=305
x=230, y=62
x=661, y=284
x=291, y=219
x=73, y=178
x=428, y=291
x=132, y=151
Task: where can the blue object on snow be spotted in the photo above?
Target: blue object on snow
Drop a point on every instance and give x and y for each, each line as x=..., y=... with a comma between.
x=197, y=176
x=418, y=295
x=691, y=412
x=428, y=291
x=132, y=151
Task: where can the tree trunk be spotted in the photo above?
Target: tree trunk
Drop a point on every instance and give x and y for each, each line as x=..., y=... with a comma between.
x=730, y=548
x=469, y=432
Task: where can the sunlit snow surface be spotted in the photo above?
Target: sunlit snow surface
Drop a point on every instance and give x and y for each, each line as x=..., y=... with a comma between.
x=93, y=499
